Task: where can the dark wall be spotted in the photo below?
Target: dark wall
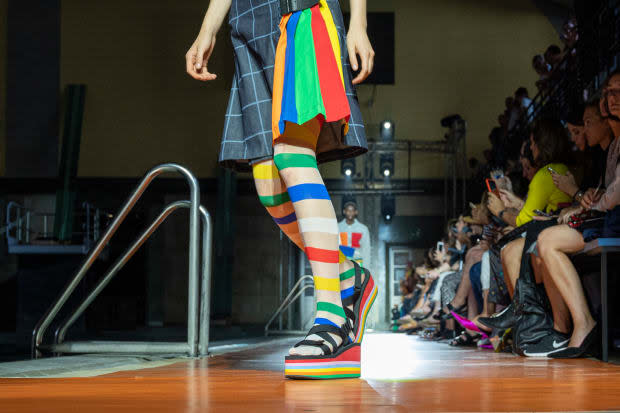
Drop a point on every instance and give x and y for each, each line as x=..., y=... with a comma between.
x=33, y=79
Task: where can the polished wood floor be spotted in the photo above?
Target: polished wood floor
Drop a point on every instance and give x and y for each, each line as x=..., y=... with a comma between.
x=400, y=374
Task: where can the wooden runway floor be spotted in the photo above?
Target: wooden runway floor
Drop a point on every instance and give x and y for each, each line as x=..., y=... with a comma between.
x=400, y=374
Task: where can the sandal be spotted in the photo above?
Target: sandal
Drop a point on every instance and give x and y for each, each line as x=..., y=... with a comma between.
x=464, y=340
x=363, y=297
x=343, y=362
x=442, y=315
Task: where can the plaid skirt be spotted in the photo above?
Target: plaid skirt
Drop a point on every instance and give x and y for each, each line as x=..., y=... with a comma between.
x=247, y=135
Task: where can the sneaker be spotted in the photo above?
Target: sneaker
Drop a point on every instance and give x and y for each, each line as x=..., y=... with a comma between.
x=551, y=343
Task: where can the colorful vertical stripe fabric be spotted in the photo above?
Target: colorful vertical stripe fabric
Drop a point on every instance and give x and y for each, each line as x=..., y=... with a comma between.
x=308, y=80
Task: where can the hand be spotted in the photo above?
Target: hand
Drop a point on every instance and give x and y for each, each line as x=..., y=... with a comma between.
x=358, y=44
x=565, y=183
x=590, y=197
x=439, y=255
x=510, y=200
x=198, y=55
x=567, y=213
x=495, y=204
x=433, y=275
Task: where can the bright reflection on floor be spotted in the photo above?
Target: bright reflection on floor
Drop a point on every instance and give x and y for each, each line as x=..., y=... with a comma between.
x=389, y=356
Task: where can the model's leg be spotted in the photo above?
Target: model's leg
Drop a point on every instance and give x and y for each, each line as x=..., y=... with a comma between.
x=553, y=245
x=319, y=231
x=273, y=195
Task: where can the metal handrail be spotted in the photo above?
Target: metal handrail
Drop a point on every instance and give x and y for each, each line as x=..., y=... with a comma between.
x=288, y=301
x=192, y=316
x=59, y=336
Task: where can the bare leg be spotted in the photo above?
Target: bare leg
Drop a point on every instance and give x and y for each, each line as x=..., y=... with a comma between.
x=511, y=262
x=561, y=315
x=553, y=245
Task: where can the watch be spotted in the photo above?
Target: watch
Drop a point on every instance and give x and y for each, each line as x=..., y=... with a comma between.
x=578, y=195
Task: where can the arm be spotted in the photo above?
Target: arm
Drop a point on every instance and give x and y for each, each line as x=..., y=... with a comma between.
x=611, y=198
x=358, y=43
x=198, y=55
x=540, y=190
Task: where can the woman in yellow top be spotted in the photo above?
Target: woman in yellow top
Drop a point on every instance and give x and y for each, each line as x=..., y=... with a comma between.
x=550, y=149
x=543, y=194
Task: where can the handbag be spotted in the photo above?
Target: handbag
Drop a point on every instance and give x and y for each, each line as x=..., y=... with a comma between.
x=532, y=308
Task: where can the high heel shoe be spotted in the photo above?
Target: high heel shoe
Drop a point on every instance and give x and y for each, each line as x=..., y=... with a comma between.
x=502, y=320
x=578, y=352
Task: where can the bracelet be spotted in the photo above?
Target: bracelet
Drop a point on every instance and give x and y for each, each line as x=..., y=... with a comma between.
x=578, y=196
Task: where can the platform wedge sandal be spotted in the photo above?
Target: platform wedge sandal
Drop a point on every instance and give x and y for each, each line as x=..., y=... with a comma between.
x=364, y=295
x=344, y=362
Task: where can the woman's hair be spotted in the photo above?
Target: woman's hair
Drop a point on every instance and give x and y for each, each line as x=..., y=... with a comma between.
x=575, y=115
x=604, y=86
x=526, y=152
x=608, y=79
x=552, y=140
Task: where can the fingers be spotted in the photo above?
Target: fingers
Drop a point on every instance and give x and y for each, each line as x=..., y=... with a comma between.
x=367, y=60
x=352, y=56
x=196, y=60
x=190, y=60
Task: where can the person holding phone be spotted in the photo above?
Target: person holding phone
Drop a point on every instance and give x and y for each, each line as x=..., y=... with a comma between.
x=549, y=145
x=599, y=136
x=292, y=106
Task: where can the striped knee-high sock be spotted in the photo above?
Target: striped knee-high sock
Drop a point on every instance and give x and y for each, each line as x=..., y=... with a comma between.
x=273, y=195
x=317, y=225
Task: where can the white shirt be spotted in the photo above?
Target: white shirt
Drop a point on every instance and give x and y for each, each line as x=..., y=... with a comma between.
x=356, y=236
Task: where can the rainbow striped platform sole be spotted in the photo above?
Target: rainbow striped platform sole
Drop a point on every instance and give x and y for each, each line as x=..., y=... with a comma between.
x=344, y=364
x=368, y=298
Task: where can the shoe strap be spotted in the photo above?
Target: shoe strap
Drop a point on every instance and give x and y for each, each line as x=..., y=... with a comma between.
x=357, y=288
x=315, y=343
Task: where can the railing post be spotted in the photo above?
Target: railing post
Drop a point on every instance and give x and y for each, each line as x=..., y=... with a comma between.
x=43, y=324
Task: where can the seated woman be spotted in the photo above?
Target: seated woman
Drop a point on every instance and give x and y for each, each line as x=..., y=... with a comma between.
x=555, y=243
x=550, y=149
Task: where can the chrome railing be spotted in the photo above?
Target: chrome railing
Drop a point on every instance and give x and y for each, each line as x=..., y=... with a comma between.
x=290, y=299
x=194, y=330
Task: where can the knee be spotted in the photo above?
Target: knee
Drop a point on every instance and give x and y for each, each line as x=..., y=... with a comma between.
x=545, y=243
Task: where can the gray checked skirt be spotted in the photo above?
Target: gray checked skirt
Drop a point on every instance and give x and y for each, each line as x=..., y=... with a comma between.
x=247, y=136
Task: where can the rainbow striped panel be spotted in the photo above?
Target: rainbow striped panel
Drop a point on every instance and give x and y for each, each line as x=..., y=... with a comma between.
x=308, y=81
x=342, y=365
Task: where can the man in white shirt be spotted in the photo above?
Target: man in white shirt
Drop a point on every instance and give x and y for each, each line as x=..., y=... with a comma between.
x=354, y=236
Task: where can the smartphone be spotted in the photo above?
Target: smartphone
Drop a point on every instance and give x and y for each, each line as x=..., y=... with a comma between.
x=440, y=246
x=541, y=213
x=492, y=186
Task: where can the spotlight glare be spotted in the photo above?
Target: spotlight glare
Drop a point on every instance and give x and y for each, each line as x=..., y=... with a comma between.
x=388, y=217
x=348, y=172
x=386, y=172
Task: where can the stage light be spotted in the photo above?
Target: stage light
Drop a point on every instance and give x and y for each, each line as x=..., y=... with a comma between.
x=387, y=130
x=347, y=167
x=386, y=164
x=388, y=207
